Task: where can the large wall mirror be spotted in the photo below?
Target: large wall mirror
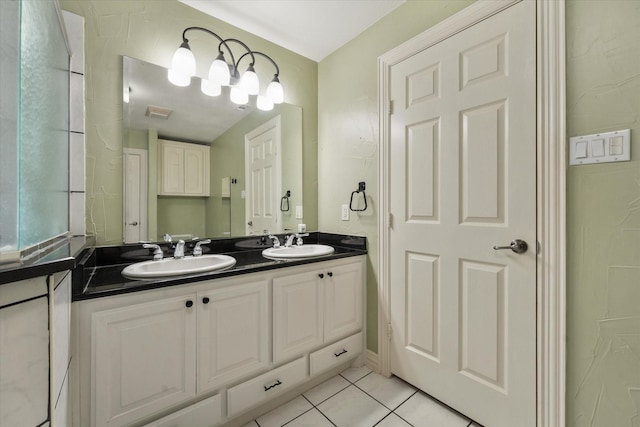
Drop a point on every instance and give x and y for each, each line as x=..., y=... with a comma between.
x=241, y=200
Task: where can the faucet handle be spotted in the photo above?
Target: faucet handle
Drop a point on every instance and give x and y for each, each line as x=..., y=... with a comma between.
x=157, y=253
x=299, y=236
x=276, y=241
x=197, y=250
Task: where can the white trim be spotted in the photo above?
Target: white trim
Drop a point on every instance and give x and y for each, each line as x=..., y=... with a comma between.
x=371, y=360
x=551, y=116
x=551, y=195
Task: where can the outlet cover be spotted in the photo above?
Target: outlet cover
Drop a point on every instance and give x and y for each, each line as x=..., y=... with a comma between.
x=345, y=213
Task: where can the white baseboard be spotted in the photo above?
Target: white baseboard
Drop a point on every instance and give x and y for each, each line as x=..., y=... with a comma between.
x=371, y=360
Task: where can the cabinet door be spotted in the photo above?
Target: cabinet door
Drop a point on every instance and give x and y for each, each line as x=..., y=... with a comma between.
x=343, y=291
x=297, y=315
x=196, y=170
x=233, y=333
x=171, y=168
x=60, y=337
x=143, y=359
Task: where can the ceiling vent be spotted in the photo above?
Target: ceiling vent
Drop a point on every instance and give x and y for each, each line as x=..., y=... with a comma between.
x=158, y=112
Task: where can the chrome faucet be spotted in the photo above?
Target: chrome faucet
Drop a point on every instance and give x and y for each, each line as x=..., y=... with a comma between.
x=197, y=251
x=178, y=253
x=157, y=253
x=167, y=237
x=297, y=237
x=275, y=240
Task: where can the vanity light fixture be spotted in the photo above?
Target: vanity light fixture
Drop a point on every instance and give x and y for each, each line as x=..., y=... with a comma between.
x=223, y=73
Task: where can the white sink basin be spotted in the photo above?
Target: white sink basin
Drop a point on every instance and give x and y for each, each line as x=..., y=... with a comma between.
x=297, y=252
x=169, y=267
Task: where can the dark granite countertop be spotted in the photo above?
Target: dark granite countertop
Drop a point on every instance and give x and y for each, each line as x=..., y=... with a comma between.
x=54, y=258
x=99, y=272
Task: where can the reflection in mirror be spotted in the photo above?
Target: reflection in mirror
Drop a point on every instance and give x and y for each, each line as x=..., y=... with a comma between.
x=240, y=200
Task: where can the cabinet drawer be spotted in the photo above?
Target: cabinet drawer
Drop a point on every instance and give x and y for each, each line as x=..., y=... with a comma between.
x=335, y=354
x=206, y=413
x=266, y=386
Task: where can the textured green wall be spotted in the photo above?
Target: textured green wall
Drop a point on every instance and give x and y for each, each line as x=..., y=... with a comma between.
x=348, y=128
x=151, y=31
x=603, y=218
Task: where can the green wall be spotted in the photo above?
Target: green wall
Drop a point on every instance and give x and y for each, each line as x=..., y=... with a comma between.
x=603, y=218
x=348, y=128
x=151, y=31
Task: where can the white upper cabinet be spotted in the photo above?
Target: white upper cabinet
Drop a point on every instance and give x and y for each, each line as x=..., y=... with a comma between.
x=183, y=169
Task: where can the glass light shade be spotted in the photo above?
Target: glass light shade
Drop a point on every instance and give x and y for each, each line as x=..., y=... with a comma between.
x=178, y=79
x=183, y=61
x=249, y=82
x=263, y=103
x=210, y=88
x=219, y=71
x=275, y=92
x=238, y=96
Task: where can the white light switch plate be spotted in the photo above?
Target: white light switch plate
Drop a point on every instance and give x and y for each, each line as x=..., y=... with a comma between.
x=603, y=147
x=298, y=212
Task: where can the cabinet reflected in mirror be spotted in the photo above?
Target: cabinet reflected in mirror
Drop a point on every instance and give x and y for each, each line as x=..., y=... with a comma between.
x=239, y=200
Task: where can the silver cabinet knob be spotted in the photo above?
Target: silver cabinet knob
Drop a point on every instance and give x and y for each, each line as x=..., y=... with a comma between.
x=518, y=246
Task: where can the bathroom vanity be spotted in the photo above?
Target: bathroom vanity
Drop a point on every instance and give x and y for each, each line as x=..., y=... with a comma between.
x=217, y=348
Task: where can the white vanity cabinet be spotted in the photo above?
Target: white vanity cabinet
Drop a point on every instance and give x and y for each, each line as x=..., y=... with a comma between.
x=233, y=333
x=143, y=359
x=183, y=169
x=316, y=306
x=205, y=353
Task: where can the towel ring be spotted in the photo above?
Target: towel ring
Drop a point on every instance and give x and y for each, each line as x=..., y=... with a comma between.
x=361, y=188
x=284, y=202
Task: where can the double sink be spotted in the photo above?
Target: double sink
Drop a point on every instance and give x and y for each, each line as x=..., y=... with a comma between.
x=189, y=265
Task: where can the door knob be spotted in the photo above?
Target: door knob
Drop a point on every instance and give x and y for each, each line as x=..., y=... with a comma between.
x=250, y=223
x=518, y=246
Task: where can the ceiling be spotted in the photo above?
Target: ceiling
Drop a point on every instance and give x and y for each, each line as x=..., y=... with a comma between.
x=311, y=28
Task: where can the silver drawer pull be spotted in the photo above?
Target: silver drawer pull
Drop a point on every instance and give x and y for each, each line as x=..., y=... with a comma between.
x=340, y=353
x=267, y=388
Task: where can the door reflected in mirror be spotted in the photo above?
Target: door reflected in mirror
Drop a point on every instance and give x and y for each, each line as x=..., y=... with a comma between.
x=246, y=188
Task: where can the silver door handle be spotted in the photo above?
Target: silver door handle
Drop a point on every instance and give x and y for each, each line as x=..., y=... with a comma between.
x=518, y=246
x=133, y=223
x=250, y=223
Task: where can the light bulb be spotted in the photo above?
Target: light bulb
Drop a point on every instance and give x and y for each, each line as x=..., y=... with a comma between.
x=183, y=61
x=219, y=71
x=210, y=88
x=249, y=82
x=238, y=96
x=275, y=92
x=178, y=79
x=263, y=103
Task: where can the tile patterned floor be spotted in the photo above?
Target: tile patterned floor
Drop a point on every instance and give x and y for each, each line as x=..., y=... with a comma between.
x=359, y=397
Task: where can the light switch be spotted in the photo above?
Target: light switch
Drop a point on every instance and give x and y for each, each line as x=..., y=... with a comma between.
x=581, y=149
x=615, y=145
x=597, y=147
x=603, y=147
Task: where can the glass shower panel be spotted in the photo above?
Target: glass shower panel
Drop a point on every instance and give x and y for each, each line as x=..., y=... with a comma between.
x=9, y=46
x=43, y=125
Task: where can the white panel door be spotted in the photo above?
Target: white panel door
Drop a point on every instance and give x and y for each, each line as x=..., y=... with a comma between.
x=462, y=177
x=135, y=195
x=262, y=170
x=233, y=333
x=143, y=359
x=196, y=170
x=171, y=155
